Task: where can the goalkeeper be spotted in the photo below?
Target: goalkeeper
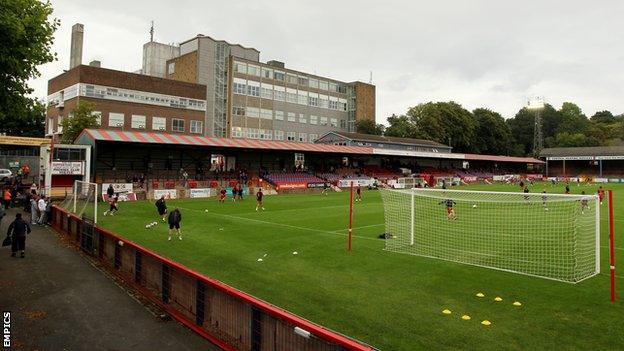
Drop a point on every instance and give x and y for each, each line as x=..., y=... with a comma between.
x=161, y=206
x=450, y=211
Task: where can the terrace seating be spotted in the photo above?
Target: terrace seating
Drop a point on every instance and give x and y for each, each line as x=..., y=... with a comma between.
x=292, y=178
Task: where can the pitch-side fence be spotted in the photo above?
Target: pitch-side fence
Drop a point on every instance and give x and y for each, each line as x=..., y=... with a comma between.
x=229, y=318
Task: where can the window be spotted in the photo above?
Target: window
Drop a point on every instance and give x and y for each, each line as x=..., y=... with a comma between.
x=267, y=73
x=253, y=90
x=313, y=137
x=290, y=136
x=251, y=133
x=313, y=119
x=171, y=68
x=116, y=119
x=323, y=85
x=333, y=122
x=278, y=75
x=266, y=134
x=291, y=117
x=59, y=125
x=279, y=115
x=302, y=80
x=253, y=70
x=323, y=102
x=333, y=87
x=302, y=118
x=266, y=91
x=197, y=127
x=137, y=122
x=302, y=97
x=303, y=137
x=323, y=121
x=238, y=111
x=98, y=117
x=266, y=114
x=279, y=135
x=291, y=78
x=239, y=88
x=240, y=67
x=280, y=95
x=314, y=83
x=291, y=95
x=237, y=132
x=343, y=124
x=50, y=125
x=333, y=105
x=159, y=123
x=253, y=112
x=177, y=125
x=312, y=101
x=342, y=88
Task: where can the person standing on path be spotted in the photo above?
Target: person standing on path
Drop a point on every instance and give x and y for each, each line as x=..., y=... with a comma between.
x=17, y=231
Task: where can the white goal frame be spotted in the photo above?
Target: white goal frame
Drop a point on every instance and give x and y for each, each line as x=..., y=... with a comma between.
x=95, y=197
x=410, y=234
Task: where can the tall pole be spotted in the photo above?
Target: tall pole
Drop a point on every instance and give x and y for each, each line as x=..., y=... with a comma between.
x=350, y=215
x=611, y=246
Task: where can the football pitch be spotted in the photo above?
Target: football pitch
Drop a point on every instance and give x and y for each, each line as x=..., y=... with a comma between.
x=392, y=301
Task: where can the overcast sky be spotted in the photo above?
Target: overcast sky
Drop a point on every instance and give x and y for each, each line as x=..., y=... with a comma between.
x=479, y=53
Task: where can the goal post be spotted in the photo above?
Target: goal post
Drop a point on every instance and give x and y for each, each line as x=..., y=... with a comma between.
x=83, y=200
x=552, y=236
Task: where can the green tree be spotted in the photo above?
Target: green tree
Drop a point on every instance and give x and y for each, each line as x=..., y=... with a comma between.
x=522, y=126
x=572, y=119
x=27, y=35
x=368, y=126
x=80, y=118
x=402, y=127
x=492, y=135
x=603, y=117
x=445, y=122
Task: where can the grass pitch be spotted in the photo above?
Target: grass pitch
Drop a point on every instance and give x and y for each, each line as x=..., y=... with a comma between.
x=389, y=300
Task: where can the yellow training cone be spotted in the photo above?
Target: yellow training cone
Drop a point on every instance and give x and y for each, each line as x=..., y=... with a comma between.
x=486, y=322
x=466, y=317
x=498, y=299
x=517, y=303
x=446, y=311
x=480, y=295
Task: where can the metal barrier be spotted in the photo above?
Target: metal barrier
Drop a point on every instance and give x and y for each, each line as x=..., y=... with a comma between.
x=229, y=318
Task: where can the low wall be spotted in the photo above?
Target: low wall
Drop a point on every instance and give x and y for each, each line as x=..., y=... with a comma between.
x=231, y=319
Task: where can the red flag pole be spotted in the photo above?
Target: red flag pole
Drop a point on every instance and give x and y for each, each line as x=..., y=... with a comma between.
x=611, y=246
x=350, y=215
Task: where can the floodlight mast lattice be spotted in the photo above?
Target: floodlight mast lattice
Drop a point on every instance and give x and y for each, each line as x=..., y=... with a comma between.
x=536, y=103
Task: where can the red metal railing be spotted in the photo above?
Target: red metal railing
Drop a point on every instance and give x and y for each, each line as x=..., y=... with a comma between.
x=231, y=319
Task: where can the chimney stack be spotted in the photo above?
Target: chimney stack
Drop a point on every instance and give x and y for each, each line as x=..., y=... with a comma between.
x=75, y=57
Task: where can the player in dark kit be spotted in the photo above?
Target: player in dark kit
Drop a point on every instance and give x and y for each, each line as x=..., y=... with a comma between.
x=222, y=195
x=161, y=206
x=113, y=205
x=175, y=217
x=526, y=192
x=584, y=203
x=544, y=198
x=450, y=211
x=567, y=191
x=259, y=196
x=325, y=188
x=358, y=193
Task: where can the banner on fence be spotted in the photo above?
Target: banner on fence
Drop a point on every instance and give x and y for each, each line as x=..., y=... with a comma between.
x=67, y=168
x=282, y=186
x=167, y=193
x=601, y=180
x=470, y=179
x=121, y=197
x=200, y=192
x=345, y=183
x=124, y=191
x=315, y=185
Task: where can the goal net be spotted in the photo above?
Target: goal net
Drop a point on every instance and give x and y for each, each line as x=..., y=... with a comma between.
x=545, y=235
x=83, y=200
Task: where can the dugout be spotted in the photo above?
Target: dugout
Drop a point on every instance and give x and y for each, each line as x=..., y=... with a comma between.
x=601, y=162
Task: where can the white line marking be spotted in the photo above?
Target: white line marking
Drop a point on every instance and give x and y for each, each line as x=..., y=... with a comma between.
x=362, y=227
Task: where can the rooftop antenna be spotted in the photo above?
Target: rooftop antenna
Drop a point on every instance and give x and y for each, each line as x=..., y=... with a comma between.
x=152, y=32
x=370, y=78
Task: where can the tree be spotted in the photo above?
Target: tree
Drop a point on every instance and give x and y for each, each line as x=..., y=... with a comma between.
x=492, y=133
x=80, y=118
x=522, y=126
x=603, y=117
x=445, y=122
x=402, y=127
x=27, y=36
x=368, y=126
x=572, y=119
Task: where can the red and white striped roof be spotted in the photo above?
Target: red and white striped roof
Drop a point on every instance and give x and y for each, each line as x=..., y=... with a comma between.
x=196, y=140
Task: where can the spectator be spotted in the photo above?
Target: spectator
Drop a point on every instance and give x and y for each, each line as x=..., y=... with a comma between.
x=48, y=209
x=33, y=188
x=41, y=207
x=34, y=216
x=26, y=202
x=13, y=196
x=17, y=231
x=6, y=198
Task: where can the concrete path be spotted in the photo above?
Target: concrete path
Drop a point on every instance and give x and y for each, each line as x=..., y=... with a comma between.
x=59, y=301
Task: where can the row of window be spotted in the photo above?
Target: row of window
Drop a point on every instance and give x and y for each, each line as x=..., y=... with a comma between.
x=290, y=116
x=268, y=134
x=294, y=96
x=291, y=78
x=127, y=95
x=140, y=122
